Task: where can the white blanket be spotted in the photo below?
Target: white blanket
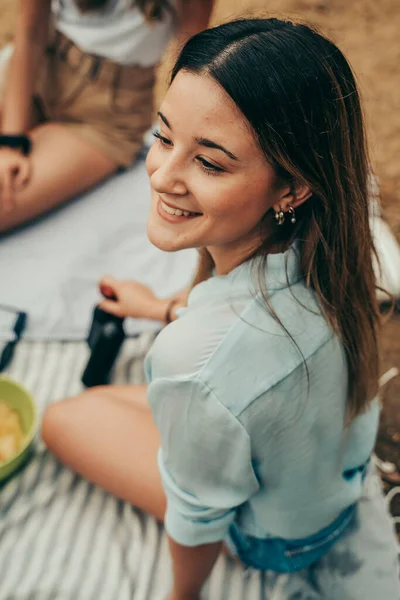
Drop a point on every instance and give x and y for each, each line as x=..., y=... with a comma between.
x=50, y=268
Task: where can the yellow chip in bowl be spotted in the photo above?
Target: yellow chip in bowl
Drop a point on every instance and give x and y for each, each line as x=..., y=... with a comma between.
x=11, y=435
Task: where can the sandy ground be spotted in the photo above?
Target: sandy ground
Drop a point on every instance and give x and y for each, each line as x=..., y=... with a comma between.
x=367, y=31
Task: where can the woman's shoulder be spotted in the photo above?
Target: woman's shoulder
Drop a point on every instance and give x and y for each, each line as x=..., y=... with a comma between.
x=268, y=344
x=237, y=339
x=184, y=347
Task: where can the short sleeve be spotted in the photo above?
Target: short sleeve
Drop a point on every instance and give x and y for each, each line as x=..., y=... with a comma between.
x=204, y=460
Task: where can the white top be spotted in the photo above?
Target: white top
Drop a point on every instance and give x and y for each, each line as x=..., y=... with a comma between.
x=118, y=32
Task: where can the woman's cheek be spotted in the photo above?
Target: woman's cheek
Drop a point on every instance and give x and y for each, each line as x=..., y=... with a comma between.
x=228, y=202
x=216, y=193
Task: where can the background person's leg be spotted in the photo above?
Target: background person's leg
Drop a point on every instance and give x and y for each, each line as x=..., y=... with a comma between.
x=63, y=166
x=108, y=436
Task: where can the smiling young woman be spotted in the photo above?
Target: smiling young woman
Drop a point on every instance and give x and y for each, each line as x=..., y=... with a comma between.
x=224, y=182
x=263, y=392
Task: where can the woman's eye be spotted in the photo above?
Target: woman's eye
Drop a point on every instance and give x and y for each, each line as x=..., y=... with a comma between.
x=163, y=140
x=208, y=167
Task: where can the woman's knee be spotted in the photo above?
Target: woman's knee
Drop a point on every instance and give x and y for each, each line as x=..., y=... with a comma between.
x=59, y=420
x=53, y=422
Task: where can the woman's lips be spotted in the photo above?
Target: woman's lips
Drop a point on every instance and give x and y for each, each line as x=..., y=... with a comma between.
x=174, y=214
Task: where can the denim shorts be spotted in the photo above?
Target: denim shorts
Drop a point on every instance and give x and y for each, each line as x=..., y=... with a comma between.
x=287, y=556
x=363, y=563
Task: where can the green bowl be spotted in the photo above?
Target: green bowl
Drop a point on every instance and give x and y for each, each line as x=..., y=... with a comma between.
x=16, y=397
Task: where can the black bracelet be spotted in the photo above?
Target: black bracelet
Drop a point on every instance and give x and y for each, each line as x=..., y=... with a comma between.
x=17, y=142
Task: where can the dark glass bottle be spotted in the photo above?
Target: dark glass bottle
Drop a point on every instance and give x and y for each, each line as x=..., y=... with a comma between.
x=105, y=339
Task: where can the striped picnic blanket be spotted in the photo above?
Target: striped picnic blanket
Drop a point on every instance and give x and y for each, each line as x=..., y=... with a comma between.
x=62, y=538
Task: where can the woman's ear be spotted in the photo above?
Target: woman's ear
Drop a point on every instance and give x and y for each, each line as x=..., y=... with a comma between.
x=294, y=196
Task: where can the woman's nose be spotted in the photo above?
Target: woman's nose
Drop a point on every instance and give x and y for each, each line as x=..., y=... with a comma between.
x=168, y=179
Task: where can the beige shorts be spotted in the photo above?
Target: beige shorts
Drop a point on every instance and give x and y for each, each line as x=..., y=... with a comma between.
x=109, y=105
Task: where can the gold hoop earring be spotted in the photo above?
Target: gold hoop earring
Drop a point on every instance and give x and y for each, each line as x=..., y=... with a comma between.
x=292, y=214
x=279, y=216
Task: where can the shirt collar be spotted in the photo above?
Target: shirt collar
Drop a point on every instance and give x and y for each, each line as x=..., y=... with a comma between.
x=282, y=270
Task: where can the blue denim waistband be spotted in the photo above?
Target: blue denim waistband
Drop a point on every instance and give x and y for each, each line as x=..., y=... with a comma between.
x=287, y=556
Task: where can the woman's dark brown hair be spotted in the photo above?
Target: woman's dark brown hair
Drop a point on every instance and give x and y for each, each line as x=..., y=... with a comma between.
x=299, y=95
x=153, y=10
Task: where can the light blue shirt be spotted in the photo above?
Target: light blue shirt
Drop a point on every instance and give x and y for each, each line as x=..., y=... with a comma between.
x=246, y=435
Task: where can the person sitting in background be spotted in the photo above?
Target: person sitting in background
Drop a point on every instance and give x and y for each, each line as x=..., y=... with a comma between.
x=78, y=95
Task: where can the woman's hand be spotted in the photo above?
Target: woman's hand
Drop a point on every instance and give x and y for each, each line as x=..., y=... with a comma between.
x=136, y=300
x=15, y=170
x=130, y=299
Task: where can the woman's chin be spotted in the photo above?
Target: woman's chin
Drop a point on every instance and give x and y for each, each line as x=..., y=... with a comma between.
x=162, y=239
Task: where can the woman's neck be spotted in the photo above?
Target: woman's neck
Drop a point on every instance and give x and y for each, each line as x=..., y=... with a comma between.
x=226, y=260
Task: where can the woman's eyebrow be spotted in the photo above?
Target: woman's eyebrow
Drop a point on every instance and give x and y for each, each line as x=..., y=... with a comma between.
x=164, y=120
x=201, y=141
x=210, y=144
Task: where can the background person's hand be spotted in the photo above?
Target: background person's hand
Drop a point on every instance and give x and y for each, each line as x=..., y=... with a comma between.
x=132, y=299
x=15, y=170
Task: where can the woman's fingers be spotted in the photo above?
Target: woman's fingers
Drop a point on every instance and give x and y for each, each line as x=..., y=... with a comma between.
x=111, y=307
x=15, y=176
x=108, y=287
x=7, y=192
x=23, y=174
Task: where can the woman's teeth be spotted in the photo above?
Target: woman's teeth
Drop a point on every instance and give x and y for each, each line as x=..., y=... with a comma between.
x=176, y=211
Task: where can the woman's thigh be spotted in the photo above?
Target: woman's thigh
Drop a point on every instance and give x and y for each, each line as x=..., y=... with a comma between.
x=62, y=166
x=110, y=441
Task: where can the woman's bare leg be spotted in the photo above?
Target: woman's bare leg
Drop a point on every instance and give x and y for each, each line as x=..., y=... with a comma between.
x=107, y=434
x=63, y=166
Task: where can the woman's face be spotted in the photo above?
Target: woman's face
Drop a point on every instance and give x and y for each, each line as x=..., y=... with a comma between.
x=211, y=184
